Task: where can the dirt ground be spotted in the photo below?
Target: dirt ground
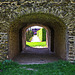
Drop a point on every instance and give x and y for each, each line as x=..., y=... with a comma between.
x=35, y=56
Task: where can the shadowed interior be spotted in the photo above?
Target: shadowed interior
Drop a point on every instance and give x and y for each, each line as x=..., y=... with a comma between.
x=52, y=23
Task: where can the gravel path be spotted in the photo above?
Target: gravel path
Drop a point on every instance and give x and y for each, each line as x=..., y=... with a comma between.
x=35, y=38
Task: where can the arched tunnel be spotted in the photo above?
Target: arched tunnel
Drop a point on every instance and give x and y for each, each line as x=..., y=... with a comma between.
x=56, y=33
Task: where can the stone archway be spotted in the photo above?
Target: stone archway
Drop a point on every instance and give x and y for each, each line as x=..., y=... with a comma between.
x=57, y=26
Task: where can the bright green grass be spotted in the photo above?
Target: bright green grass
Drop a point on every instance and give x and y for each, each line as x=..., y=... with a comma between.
x=34, y=44
x=56, y=68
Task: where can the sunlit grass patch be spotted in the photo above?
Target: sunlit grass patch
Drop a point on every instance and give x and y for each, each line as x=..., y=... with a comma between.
x=34, y=44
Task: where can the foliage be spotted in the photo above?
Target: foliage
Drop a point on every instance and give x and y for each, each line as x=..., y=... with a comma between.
x=34, y=44
x=1, y=66
x=74, y=62
x=56, y=68
x=29, y=34
x=42, y=34
x=30, y=39
x=7, y=64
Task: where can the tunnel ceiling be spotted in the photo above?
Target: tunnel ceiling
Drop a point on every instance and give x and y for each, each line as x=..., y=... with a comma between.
x=37, y=18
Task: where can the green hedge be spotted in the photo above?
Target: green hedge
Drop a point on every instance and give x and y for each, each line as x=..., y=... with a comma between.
x=42, y=34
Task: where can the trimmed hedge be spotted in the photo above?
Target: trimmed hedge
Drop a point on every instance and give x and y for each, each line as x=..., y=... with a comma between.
x=42, y=34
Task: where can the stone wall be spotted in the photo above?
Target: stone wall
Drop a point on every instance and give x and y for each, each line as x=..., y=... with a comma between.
x=3, y=45
x=10, y=10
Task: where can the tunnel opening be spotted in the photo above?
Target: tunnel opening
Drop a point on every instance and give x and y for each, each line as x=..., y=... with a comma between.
x=56, y=34
x=44, y=35
x=36, y=37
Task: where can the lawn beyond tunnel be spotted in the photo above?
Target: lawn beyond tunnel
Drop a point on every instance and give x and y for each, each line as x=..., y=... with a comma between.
x=34, y=44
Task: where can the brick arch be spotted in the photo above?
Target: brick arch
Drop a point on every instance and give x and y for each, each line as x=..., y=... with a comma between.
x=57, y=26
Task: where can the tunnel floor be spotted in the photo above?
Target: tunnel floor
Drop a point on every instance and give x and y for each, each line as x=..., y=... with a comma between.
x=35, y=56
